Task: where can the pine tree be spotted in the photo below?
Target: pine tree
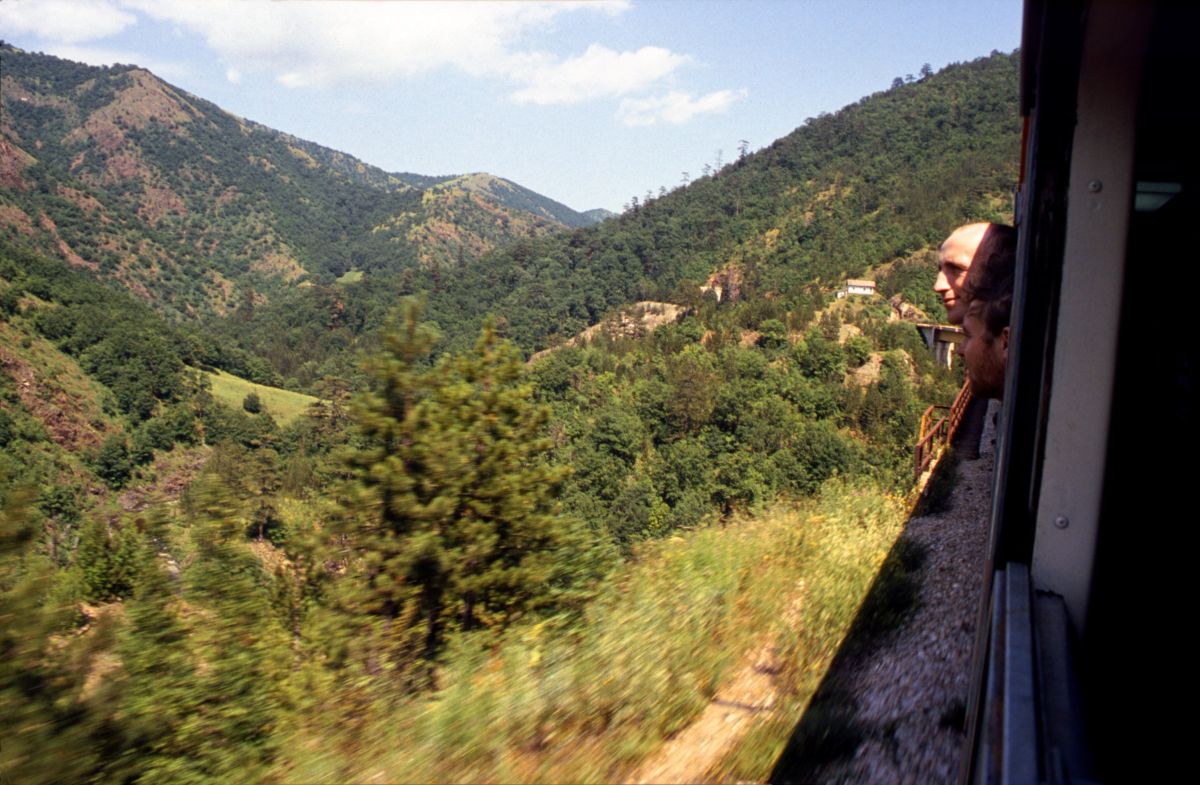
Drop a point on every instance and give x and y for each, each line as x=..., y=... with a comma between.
x=110, y=562
x=453, y=523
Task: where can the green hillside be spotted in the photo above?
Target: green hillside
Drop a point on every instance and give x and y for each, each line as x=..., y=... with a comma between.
x=882, y=180
x=875, y=181
x=518, y=197
x=198, y=210
x=151, y=187
x=94, y=384
x=52, y=414
x=424, y=557
x=284, y=406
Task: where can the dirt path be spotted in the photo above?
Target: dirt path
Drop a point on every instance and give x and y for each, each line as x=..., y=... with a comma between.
x=738, y=705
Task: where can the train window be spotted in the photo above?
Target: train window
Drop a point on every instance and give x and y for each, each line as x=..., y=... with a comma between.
x=1095, y=466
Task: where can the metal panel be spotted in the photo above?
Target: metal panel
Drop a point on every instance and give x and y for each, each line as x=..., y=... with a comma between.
x=1007, y=752
x=1064, y=756
x=1019, y=729
x=1099, y=201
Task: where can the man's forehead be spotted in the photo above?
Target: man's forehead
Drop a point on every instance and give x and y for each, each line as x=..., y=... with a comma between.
x=963, y=242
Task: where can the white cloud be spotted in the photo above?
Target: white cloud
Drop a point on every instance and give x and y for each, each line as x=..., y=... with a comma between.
x=64, y=21
x=318, y=44
x=675, y=107
x=322, y=44
x=599, y=72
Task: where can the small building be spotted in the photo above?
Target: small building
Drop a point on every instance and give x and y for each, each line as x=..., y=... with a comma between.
x=856, y=286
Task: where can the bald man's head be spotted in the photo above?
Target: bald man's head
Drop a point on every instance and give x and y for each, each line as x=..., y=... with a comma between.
x=964, y=245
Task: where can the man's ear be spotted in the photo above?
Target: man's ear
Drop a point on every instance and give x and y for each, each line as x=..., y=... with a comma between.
x=1004, y=342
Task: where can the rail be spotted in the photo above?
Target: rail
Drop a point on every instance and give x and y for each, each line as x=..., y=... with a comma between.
x=933, y=438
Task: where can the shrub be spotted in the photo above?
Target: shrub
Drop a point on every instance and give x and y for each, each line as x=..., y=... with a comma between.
x=252, y=403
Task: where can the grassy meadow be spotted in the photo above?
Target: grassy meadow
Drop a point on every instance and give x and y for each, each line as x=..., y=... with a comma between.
x=283, y=405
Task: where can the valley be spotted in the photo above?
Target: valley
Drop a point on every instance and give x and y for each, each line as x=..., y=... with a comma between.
x=313, y=472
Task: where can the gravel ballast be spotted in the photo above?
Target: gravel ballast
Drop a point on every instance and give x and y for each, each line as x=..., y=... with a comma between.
x=905, y=695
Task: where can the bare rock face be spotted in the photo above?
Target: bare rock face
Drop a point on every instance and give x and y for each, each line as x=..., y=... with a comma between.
x=726, y=283
x=635, y=321
x=906, y=311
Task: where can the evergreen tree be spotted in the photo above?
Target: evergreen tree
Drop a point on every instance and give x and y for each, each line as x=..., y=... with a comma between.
x=452, y=524
x=110, y=562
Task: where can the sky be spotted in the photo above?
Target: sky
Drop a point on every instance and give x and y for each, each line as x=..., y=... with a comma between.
x=588, y=103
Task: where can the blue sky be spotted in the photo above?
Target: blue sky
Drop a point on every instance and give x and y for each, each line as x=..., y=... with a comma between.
x=588, y=103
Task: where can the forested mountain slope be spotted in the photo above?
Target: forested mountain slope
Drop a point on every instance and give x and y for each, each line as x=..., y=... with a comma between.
x=875, y=181
x=456, y=565
x=197, y=210
x=885, y=178
x=201, y=212
x=92, y=381
x=513, y=196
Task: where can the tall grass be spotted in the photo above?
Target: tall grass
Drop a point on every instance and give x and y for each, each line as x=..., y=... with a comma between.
x=858, y=575
x=588, y=701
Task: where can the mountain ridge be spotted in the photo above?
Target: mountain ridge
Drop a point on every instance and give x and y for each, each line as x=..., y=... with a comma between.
x=195, y=209
x=882, y=179
x=878, y=180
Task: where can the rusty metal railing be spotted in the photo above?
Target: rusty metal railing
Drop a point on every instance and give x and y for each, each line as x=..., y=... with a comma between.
x=958, y=409
x=934, y=435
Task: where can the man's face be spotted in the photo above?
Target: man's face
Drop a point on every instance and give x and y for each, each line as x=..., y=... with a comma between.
x=954, y=260
x=985, y=354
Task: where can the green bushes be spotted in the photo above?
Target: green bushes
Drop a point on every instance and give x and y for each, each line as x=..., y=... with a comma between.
x=111, y=561
x=587, y=701
x=112, y=462
x=251, y=403
x=857, y=350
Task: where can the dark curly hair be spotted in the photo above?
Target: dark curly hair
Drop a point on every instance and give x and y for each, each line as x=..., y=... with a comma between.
x=991, y=277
